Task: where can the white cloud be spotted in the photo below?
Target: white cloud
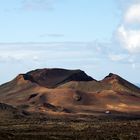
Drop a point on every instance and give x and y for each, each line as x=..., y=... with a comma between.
x=18, y=55
x=128, y=36
x=132, y=15
x=133, y=65
x=117, y=57
x=45, y=51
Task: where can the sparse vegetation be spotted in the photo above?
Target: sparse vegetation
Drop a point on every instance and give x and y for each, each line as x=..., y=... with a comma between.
x=55, y=129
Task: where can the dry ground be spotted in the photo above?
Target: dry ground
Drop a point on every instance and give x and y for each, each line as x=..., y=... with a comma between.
x=69, y=129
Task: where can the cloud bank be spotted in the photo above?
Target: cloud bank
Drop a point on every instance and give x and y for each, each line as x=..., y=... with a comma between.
x=128, y=32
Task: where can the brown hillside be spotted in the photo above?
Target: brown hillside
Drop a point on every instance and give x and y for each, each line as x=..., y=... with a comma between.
x=59, y=91
x=120, y=84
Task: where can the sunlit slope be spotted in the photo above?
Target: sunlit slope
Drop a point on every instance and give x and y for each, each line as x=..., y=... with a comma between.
x=59, y=91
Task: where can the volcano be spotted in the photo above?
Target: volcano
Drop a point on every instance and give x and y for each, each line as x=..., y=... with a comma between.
x=61, y=91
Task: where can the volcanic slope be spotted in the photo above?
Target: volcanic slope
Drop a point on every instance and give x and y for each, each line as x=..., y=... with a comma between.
x=61, y=91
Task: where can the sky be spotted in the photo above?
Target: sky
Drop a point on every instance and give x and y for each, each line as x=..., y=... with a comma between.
x=96, y=36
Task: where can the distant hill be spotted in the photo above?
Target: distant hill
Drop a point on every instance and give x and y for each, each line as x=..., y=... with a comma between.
x=61, y=91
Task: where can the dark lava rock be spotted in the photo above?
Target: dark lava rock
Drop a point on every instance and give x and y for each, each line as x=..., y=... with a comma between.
x=51, y=78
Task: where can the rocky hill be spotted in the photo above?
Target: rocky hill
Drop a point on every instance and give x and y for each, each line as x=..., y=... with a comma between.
x=71, y=92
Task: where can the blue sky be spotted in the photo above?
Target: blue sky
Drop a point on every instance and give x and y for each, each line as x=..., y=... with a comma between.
x=93, y=35
x=61, y=20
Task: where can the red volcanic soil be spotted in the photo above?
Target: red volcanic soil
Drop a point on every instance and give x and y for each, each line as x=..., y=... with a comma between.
x=118, y=83
x=114, y=78
x=60, y=91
